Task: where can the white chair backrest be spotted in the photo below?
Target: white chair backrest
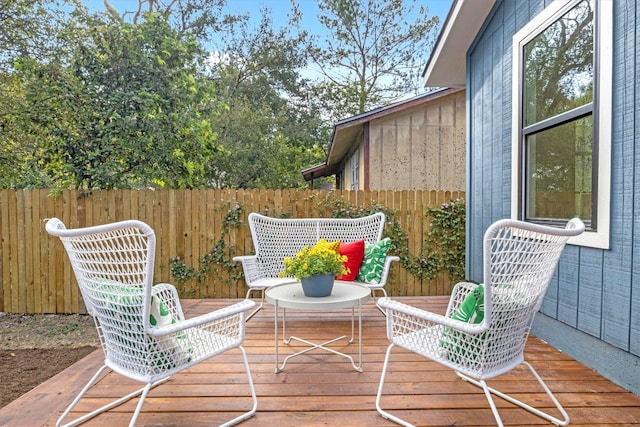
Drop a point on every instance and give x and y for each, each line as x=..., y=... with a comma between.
x=113, y=265
x=277, y=238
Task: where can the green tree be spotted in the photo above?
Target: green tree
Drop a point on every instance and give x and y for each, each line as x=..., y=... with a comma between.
x=200, y=18
x=373, y=52
x=269, y=131
x=127, y=109
x=30, y=28
x=19, y=148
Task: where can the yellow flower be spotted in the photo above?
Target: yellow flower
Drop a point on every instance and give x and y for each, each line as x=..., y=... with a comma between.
x=321, y=258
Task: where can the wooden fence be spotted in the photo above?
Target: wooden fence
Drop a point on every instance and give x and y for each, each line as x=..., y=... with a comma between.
x=36, y=276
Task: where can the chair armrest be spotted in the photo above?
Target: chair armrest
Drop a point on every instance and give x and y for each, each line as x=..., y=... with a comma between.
x=244, y=258
x=385, y=272
x=250, y=267
x=222, y=313
x=403, y=318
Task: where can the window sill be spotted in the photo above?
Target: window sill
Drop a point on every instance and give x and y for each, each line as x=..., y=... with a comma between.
x=591, y=239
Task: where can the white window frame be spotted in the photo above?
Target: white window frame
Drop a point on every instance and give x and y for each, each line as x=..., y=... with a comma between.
x=602, y=111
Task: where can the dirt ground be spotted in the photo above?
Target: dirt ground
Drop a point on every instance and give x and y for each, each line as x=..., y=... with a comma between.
x=33, y=348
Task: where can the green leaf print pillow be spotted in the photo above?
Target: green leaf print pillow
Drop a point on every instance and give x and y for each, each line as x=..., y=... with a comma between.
x=373, y=262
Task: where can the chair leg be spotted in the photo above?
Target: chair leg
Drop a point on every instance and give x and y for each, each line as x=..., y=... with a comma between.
x=373, y=294
x=252, y=411
x=261, y=302
x=143, y=391
x=489, y=390
x=381, y=411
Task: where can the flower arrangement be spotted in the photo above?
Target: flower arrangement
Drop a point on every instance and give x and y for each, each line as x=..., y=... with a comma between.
x=318, y=259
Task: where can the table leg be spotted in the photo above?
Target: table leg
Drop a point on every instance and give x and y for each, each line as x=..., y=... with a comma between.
x=275, y=334
x=323, y=346
x=284, y=327
x=359, y=367
x=352, y=321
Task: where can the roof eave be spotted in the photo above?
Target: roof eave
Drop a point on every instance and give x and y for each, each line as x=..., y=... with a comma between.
x=447, y=65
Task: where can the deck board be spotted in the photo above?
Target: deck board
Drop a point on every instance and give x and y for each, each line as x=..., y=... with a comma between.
x=322, y=389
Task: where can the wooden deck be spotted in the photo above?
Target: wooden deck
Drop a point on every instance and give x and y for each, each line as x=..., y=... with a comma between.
x=319, y=388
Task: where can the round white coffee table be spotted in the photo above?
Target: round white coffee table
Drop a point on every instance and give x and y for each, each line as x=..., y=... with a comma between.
x=344, y=295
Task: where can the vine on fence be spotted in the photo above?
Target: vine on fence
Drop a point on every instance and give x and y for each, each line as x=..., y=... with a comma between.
x=443, y=248
x=446, y=239
x=220, y=256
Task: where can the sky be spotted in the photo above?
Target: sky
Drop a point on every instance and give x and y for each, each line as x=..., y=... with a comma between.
x=280, y=8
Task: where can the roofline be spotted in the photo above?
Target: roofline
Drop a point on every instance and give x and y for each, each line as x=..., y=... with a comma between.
x=437, y=47
x=324, y=169
x=447, y=63
x=389, y=109
x=396, y=106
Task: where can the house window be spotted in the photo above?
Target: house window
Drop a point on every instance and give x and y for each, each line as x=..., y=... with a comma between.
x=561, y=118
x=355, y=169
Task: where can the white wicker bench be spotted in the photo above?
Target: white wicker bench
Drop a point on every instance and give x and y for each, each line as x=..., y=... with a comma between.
x=277, y=238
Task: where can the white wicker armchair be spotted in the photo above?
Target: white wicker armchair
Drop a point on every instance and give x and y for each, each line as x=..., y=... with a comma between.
x=519, y=262
x=142, y=329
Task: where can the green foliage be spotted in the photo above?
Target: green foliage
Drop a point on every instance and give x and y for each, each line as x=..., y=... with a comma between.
x=180, y=271
x=270, y=132
x=444, y=246
x=29, y=28
x=217, y=260
x=130, y=99
x=124, y=109
x=234, y=217
x=446, y=239
x=197, y=17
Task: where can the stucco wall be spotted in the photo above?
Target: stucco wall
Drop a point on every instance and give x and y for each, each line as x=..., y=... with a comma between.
x=418, y=148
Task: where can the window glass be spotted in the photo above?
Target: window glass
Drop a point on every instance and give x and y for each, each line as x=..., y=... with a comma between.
x=558, y=66
x=559, y=177
x=355, y=169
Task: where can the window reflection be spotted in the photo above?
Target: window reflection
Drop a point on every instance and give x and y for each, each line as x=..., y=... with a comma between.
x=558, y=176
x=559, y=66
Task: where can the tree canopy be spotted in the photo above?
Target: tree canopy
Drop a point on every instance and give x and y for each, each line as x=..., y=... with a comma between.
x=373, y=52
x=124, y=109
x=180, y=95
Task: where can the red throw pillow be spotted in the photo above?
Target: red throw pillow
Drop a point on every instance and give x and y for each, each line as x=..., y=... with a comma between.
x=355, y=254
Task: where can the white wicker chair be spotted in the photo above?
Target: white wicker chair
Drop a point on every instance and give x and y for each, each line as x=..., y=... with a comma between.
x=519, y=262
x=277, y=238
x=141, y=327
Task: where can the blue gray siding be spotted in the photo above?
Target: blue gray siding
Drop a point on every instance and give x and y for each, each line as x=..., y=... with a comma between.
x=594, y=291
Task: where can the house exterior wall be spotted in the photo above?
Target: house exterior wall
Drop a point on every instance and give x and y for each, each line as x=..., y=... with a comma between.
x=418, y=148
x=594, y=291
